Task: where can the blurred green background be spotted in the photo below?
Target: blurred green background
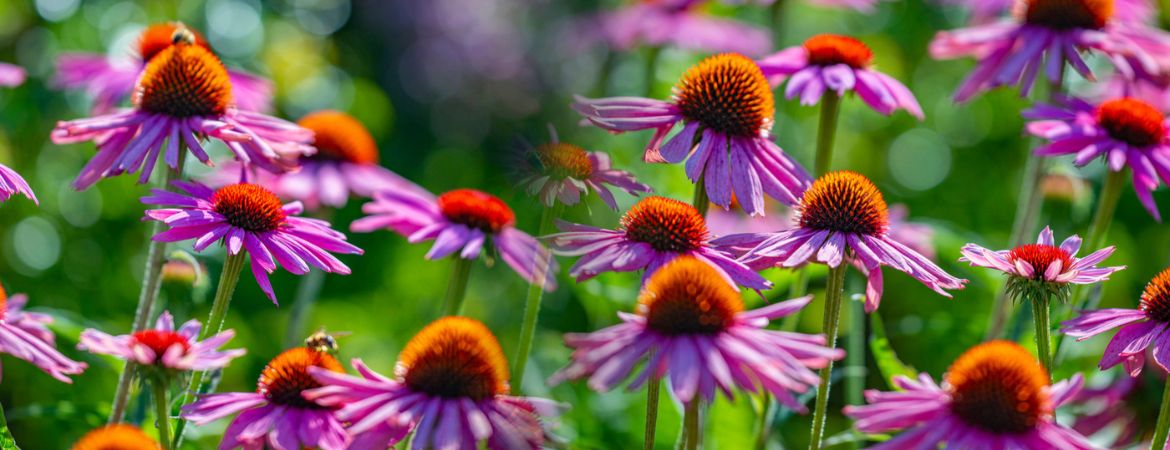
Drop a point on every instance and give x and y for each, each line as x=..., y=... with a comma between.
x=447, y=87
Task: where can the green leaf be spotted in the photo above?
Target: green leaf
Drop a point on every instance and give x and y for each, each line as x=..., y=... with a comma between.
x=7, y=442
x=887, y=361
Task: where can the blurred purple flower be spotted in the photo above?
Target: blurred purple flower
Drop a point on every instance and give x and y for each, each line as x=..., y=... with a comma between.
x=26, y=336
x=247, y=217
x=164, y=347
x=984, y=11
x=670, y=23
x=865, y=6
x=12, y=75
x=12, y=183
x=840, y=64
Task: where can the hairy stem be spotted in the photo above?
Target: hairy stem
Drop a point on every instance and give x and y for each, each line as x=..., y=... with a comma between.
x=834, y=293
x=457, y=286
x=532, y=303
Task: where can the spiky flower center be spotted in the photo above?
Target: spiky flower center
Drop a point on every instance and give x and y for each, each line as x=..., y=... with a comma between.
x=476, y=209
x=287, y=375
x=160, y=341
x=688, y=296
x=845, y=202
x=455, y=357
x=999, y=387
x=561, y=161
x=184, y=80
x=116, y=437
x=339, y=136
x=250, y=207
x=833, y=49
x=1068, y=14
x=1132, y=121
x=159, y=36
x=727, y=93
x=668, y=225
x=1040, y=256
x=1156, y=297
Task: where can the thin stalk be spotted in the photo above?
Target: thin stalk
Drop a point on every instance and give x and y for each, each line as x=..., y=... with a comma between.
x=763, y=424
x=1040, y=318
x=652, y=388
x=162, y=411
x=1163, y=427
x=147, y=296
x=532, y=303
x=651, y=73
x=607, y=66
x=827, y=132
x=1028, y=206
x=855, y=359
x=701, y=202
x=228, y=279
x=776, y=13
x=457, y=286
x=691, y=425
x=834, y=292
x=308, y=290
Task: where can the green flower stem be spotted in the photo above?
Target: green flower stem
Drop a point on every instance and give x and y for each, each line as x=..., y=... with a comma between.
x=651, y=73
x=691, y=425
x=1040, y=318
x=827, y=132
x=763, y=422
x=228, y=279
x=701, y=202
x=532, y=303
x=776, y=14
x=1163, y=427
x=151, y=282
x=162, y=411
x=652, y=388
x=834, y=293
x=457, y=285
x=307, y=291
x=855, y=359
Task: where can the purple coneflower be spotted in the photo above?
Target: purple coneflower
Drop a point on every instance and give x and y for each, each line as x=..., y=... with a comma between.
x=691, y=325
x=840, y=64
x=672, y=23
x=183, y=95
x=653, y=232
x=277, y=415
x=994, y=396
x=842, y=217
x=111, y=81
x=726, y=106
x=12, y=183
x=164, y=346
x=450, y=388
x=462, y=221
x=1043, y=263
x=344, y=165
x=984, y=11
x=246, y=217
x=560, y=171
x=1142, y=328
x=12, y=75
x=1124, y=132
x=1124, y=408
x=1046, y=35
x=26, y=336
x=116, y=436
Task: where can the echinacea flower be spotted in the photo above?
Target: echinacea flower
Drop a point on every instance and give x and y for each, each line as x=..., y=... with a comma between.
x=1123, y=132
x=691, y=326
x=838, y=64
x=653, y=232
x=560, y=171
x=1139, y=329
x=1043, y=265
x=111, y=80
x=1124, y=408
x=984, y=11
x=26, y=336
x=464, y=221
x=165, y=347
x=1046, y=35
x=842, y=217
x=277, y=415
x=671, y=23
x=726, y=106
x=995, y=396
x=344, y=165
x=12, y=183
x=118, y=436
x=450, y=387
x=183, y=95
x=12, y=75
x=248, y=218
